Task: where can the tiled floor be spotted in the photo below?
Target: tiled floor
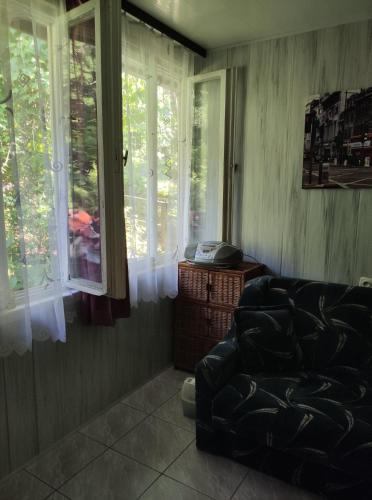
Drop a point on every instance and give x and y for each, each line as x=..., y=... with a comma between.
x=143, y=447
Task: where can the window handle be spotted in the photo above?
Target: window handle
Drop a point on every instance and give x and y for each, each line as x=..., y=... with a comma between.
x=125, y=158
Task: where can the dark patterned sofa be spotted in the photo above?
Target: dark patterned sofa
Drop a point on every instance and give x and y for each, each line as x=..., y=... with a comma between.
x=289, y=390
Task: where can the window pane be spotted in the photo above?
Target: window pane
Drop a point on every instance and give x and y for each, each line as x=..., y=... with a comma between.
x=205, y=162
x=136, y=172
x=24, y=162
x=167, y=156
x=84, y=202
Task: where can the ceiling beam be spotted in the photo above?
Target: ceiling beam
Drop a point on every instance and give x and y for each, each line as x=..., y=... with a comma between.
x=163, y=28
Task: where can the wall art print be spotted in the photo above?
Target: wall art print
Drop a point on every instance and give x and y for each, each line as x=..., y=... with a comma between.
x=338, y=140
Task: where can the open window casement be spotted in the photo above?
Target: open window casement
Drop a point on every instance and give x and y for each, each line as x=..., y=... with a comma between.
x=213, y=143
x=96, y=251
x=234, y=154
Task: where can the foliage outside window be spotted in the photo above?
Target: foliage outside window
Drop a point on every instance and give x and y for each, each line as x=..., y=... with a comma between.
x=151, y=179
x=52, y=149
x=29, y=91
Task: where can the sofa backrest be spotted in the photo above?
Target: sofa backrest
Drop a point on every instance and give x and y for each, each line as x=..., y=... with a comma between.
x=333, y=322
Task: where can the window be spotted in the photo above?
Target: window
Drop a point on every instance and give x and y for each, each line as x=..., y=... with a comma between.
x=215, y=154
x=177, y=153
x=96, y=233
x=151, y=133
x=26, y=152
x=85, y=185
x=168, y=154
x=37, y=132
x=154, y=75
x=135, y=174
x=207, y=163
x=58, y=129
x=31, y=304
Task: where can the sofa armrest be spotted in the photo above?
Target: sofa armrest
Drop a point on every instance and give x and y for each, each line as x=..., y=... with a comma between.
x=217, y=367
x=212, y=373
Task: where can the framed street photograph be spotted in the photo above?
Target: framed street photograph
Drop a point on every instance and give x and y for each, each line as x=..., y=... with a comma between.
x=338, y=140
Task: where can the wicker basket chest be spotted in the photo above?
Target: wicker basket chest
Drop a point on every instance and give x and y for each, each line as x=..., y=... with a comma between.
x=206, y=300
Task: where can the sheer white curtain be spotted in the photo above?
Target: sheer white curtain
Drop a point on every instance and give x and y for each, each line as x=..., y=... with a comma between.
x=154, y=72
x=31, y=301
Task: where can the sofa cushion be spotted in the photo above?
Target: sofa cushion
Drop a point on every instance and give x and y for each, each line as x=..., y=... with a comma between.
x=333, y=322
x=266, y=339
x=258, y=292
x=325, y=417
x=325, y=345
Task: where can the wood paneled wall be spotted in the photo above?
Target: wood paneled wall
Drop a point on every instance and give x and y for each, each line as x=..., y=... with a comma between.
x=51, y=391
x=326, y=234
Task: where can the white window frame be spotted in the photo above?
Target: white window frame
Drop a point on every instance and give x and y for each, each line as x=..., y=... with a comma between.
x=137, y=70
x=219, y=75
x=45, y=17
x=84, y=12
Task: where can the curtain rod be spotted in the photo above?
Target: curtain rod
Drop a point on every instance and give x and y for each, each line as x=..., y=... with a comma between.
x=163, y=28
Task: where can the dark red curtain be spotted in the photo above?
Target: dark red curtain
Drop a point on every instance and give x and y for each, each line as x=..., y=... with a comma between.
x=102, y=310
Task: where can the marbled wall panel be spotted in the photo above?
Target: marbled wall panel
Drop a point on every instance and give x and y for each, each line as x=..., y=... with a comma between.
x=23, y=438
x=4, y=446
x=51, y=391
x=306, y=233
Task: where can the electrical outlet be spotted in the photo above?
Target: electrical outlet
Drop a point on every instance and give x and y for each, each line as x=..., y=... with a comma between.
x=364, y=281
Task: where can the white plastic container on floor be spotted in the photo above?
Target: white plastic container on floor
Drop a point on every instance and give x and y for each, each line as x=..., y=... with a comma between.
x=188, y=397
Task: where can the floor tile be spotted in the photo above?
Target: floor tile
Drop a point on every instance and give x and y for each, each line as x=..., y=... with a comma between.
x=57, y=496
x=112, y=425
x=111, y=476
x=165, y=488
x=23, y=486
x=153, y=394
x=171, y=411
x=213, y=475
x=173, y=377
x=257, y=486
x=58, y=464
x=155, y=443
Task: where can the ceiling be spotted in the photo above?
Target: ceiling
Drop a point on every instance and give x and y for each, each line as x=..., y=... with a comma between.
x=217, y=23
